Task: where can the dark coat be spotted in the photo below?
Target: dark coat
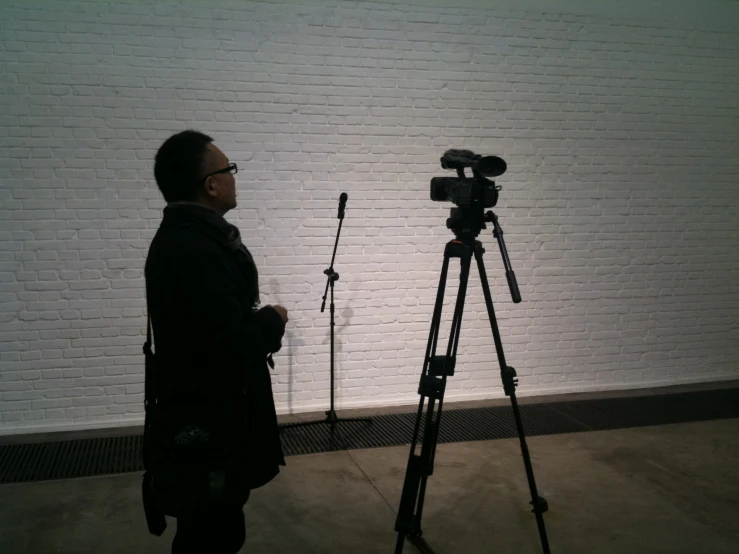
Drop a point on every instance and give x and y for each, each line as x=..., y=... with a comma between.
x=214, y=394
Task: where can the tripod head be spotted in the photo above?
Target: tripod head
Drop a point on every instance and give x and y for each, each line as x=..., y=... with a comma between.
x=466, y=224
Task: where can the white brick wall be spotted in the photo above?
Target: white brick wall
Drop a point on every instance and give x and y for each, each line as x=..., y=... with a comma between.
x=620, y=129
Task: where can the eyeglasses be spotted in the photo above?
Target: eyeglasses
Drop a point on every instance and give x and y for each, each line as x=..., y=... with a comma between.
x=230, y=168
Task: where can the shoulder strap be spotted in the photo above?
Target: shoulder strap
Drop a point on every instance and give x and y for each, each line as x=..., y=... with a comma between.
x=149, y=377
x=150, y=398
x=148, y=328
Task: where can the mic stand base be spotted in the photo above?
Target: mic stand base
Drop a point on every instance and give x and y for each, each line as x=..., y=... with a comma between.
x=333, y=421
x=331, y=418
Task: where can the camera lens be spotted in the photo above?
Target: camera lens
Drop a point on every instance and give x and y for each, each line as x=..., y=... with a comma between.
x=438, y=189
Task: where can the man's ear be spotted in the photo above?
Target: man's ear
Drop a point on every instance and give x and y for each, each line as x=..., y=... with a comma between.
x=209, y=186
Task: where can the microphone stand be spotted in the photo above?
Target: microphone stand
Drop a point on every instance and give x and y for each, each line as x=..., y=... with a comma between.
x=331, y=277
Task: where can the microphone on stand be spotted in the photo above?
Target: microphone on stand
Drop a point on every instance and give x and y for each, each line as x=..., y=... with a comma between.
x=342, y=204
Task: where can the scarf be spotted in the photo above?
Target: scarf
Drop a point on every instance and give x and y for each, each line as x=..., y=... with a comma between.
x=231, y=239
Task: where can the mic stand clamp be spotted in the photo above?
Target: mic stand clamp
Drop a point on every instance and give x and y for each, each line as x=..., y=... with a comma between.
x=332, y=277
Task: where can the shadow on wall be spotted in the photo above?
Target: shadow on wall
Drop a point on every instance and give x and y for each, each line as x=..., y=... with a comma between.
x=288, y=343
x=346, y=315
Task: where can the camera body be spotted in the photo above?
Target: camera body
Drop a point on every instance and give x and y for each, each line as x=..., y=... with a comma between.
x=464, y=192
x=468, y=192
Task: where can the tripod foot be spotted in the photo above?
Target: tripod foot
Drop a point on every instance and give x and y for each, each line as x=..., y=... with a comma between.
x=421, y=545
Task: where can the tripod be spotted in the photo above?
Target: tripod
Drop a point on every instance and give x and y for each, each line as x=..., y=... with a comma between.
x=432, y=385
x=331, y=277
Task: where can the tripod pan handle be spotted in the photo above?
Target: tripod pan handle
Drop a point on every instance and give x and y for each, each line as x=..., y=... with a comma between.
x=513, y=286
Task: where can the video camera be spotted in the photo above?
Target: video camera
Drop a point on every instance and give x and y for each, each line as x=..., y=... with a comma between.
x=471, y=194
x=468, y=192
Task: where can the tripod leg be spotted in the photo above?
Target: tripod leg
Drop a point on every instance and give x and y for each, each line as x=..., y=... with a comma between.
x=431, y=386
x=404, y=523
x=443, y=367
x=508, y=375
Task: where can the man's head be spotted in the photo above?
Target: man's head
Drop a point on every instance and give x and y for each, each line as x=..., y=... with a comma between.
x=189, y=167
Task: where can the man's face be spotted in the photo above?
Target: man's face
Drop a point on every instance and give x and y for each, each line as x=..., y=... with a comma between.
x=220, y=188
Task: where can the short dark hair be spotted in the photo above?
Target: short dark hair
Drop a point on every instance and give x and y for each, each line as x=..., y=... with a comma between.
x=179, y=163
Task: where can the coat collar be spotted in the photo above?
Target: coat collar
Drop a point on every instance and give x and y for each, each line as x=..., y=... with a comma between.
x=198, y=211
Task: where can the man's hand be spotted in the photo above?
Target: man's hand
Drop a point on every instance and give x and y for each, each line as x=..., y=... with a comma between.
x=283, y=313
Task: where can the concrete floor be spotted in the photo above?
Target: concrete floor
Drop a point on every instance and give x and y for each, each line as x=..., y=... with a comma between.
x=673, y=488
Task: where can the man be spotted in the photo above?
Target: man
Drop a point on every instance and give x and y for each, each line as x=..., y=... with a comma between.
x=211, y=432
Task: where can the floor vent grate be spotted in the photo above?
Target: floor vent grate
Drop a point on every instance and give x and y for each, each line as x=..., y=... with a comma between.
x=102, y=456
